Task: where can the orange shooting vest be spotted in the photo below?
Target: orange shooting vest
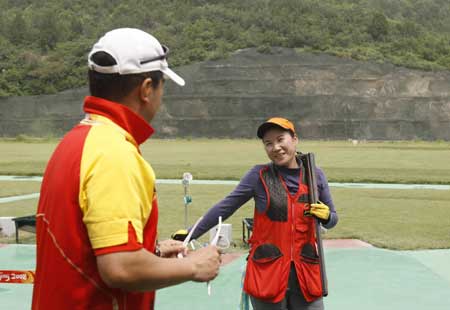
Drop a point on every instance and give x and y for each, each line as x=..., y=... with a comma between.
x=282, y=235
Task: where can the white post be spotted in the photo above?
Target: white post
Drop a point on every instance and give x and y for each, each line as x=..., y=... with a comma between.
x=187, y=177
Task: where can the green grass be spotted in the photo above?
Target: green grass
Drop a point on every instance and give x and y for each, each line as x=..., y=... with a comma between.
x=379, y=162
x=25, y=158
x=394, y=219
x=13, y=188
x=397, y=219
x=19, y=208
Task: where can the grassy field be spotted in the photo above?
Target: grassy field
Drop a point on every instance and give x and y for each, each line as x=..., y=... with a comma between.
x=396, y=219
x=11, y=188
x=380, y=162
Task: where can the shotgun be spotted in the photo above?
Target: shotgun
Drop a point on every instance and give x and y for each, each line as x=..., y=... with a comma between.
x=310, y=173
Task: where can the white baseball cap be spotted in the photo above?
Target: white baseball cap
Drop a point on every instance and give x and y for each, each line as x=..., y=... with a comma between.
x=134, y=51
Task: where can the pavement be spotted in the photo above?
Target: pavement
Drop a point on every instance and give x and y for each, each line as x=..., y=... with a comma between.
x=359, y=277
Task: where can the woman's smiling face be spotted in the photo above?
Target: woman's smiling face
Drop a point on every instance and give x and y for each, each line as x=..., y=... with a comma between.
x=281, y=147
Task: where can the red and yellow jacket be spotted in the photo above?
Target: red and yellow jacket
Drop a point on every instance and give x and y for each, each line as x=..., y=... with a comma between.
x=98, y=196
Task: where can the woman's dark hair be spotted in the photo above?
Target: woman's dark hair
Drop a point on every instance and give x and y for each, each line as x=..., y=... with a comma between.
x=115, y=86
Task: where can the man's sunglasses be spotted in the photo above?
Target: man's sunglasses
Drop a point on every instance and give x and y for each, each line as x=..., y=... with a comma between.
x=163, y=56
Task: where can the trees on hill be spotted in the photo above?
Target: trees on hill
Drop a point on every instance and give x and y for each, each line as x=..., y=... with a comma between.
x=43, y=43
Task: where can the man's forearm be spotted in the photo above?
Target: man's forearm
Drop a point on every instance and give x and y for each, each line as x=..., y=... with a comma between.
x=143, y=271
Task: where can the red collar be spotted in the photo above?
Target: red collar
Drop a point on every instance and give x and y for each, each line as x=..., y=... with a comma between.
x=121, y=115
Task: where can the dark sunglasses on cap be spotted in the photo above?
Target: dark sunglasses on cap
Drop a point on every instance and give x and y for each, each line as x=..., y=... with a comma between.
x=161, y=57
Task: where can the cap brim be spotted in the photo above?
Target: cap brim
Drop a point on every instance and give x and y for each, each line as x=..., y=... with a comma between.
x=173, y=76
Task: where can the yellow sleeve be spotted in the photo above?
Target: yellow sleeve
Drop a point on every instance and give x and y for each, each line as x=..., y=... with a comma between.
x=117, y=189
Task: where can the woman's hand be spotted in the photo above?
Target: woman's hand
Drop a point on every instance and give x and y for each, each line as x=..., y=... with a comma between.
x=320, y=210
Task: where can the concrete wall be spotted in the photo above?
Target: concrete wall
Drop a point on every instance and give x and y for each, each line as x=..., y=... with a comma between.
x=327, y=97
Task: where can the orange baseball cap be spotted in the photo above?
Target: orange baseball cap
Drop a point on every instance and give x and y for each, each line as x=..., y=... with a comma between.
x=275, y=122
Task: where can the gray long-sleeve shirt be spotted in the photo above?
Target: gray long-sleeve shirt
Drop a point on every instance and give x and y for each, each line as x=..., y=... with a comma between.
x=251, y=186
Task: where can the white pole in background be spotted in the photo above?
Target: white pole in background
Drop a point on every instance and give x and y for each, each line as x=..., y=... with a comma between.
x=187, y=177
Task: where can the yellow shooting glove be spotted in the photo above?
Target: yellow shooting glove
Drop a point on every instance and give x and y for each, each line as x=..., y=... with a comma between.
x=320, y=210
x=180, y=234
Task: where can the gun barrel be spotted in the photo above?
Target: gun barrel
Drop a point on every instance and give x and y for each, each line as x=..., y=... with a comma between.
x=310, y=170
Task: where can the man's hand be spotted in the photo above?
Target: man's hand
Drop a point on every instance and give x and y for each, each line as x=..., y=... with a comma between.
x=170, y=248
x=320, y=210
x=180, y=234
x=206, y=262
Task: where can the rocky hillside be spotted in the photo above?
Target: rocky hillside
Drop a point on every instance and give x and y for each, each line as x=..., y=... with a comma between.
x=327, y=97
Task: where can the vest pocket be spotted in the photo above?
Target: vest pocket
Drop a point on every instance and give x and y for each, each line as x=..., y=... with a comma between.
x=310, y=269
x=264, y=270
x=266, y=253
x=301, y=229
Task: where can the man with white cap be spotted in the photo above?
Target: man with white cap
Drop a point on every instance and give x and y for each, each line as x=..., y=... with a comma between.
x=98, y=212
